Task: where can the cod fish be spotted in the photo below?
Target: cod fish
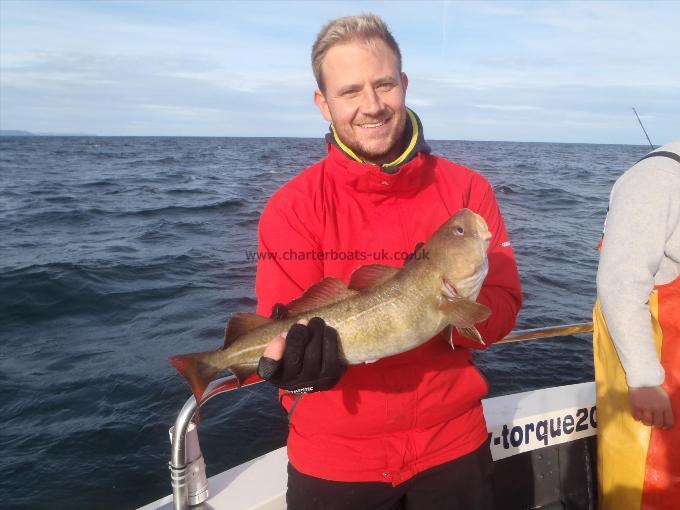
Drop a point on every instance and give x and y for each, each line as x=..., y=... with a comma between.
x=382, y=312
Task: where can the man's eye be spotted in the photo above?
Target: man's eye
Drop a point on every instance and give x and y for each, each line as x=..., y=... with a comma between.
x=386, y=86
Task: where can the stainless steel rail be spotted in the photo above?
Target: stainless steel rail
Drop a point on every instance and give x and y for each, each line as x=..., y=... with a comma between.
x=178, y=463
x=179, y=470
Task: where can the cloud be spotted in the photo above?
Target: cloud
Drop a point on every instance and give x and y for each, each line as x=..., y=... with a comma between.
x=420, y=102
x=532, y=70
x=507, y=107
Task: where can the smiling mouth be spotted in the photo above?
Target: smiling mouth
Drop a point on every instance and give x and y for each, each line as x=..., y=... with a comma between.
x=374, y=125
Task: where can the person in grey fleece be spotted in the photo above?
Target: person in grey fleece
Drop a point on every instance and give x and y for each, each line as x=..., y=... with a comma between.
x=641, y=249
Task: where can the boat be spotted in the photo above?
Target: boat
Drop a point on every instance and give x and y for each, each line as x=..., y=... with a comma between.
x=543, y=444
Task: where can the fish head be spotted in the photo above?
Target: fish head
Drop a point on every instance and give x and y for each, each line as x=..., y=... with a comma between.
x=457, y=253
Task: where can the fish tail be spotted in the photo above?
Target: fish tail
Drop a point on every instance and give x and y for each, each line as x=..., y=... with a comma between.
x=197, y=370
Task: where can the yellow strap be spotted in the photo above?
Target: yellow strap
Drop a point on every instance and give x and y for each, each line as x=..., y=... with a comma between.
x=411, y=144
x=396, y=162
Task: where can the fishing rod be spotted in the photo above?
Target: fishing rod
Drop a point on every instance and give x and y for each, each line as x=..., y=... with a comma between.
x=549, y=332
x=643, y=129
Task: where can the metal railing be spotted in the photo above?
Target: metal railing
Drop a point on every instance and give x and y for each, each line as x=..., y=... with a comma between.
x=189, y=485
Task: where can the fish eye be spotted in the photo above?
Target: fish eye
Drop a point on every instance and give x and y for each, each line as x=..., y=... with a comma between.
x=460, y=229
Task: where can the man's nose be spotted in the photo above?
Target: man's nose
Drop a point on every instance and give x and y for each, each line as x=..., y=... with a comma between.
x=371, y=104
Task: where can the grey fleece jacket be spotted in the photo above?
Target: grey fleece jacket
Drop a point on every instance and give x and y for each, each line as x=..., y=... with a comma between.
x=641, y=248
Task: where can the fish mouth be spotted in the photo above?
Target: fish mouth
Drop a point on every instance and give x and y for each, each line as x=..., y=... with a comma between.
x=449, y=290
x=468, y=287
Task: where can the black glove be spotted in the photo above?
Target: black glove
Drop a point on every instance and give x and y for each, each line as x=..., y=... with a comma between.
x=310, y=359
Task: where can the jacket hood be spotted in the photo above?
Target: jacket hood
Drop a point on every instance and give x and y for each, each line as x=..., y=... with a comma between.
x=415, y=143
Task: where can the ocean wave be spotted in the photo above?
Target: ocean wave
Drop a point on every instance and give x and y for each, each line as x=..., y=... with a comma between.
x=153, y=163
x=98, y=183
x=155, y=235
x=61, y=200
x=222, y=205
x=45, y=292
x=186, y=191
x=505, y=189
x=105, y=155
x=57, y=217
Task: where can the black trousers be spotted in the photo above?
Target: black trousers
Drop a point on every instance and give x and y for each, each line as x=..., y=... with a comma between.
x=462, y=484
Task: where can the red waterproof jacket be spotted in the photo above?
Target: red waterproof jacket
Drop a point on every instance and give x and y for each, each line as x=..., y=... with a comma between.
x=388, y=420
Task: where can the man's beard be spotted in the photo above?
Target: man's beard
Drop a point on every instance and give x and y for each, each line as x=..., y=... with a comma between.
x=392, y=149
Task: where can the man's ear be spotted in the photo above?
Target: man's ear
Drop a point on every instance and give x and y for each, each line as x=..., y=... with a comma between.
x=322, y=105
x=404, y=81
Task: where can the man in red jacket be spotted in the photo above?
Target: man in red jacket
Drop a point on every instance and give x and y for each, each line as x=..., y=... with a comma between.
x=406, y=431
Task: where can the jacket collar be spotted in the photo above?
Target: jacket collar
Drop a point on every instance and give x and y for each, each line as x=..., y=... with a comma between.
x=415, y=143
x=407, y=175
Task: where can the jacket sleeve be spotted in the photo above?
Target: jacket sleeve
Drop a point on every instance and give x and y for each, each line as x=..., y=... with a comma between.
x=501, y=290
x=288, y=249
x=640, y=214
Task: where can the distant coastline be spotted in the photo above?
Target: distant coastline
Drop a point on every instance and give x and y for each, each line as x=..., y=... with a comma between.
x=14, y=132
x=18, y=132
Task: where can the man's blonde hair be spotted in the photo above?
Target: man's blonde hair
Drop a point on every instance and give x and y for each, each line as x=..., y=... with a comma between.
x=364, y=27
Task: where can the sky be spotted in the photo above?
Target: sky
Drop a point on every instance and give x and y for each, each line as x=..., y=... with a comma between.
x=513, y=71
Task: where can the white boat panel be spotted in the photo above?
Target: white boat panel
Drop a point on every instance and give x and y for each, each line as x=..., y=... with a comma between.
x=526, y=421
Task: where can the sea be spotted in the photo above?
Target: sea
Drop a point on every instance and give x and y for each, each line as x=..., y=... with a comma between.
x=116, y=253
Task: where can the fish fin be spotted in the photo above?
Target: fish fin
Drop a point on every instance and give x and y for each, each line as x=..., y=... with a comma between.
x=472, y=334
x=324, y=293
x=463, y=313
x=240, y=323
x=371, y=275
x=448, y=336
x=197, y=370
x=242, y=372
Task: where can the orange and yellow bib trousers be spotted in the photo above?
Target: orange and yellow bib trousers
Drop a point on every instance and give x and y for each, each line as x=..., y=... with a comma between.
x=638, y=466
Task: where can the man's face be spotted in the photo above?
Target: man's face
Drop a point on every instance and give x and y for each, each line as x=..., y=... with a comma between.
x=364, y=97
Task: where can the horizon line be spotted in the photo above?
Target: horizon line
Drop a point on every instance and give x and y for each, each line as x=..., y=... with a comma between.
x=31, y=134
